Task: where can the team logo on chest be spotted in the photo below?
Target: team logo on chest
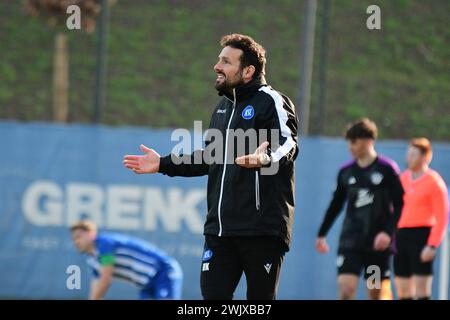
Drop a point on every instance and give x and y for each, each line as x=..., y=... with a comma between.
x=248, y=112
x=376, y=178
x=364, y=198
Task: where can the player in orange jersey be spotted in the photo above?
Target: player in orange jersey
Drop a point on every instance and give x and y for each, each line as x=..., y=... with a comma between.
x=422, y=224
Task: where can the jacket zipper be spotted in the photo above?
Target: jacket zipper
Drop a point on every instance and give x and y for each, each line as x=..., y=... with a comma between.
x=225, y=165
x=258, y=204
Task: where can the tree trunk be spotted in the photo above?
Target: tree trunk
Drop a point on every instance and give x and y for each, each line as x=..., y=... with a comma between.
x=60, y=79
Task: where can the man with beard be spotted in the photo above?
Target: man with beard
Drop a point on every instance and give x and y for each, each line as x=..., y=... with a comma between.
x=250, y=213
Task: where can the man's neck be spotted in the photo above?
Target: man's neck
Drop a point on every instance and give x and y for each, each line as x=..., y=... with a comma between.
x=367, y=159
x=92, y=249
x=418, y=172
x=230, y=92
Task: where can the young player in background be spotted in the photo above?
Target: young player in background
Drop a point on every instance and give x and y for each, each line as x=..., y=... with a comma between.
x=371, y=187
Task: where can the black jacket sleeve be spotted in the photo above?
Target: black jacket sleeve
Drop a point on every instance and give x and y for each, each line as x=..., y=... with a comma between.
x=334, y=208
x=192, y=165
x=396, y=193
x=186, y=165
x=281, y=116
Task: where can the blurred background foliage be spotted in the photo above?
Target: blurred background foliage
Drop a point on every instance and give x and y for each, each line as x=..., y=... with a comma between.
x=161, y=54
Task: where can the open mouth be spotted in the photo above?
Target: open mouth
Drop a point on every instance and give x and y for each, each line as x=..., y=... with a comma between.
x=220, y=77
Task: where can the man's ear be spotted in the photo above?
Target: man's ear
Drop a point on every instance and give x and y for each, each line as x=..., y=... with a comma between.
x=370, y=142
x=249, y=71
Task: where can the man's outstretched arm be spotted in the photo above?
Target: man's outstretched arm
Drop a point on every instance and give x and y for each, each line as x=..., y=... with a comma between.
x=152, y=162
x=334, y=208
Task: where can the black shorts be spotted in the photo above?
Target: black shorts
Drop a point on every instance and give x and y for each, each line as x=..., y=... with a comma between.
x=410, y=242
x=356, y=261
x=226, y=258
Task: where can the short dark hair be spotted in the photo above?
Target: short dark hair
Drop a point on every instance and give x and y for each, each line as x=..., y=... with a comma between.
x=84, y=225
x=253, y=53
x=424, y=146
x=361, y=129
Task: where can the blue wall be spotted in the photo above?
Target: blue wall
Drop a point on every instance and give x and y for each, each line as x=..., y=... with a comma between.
x=52, y=175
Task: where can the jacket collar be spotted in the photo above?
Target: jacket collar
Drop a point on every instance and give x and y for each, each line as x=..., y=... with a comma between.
x=245, y=90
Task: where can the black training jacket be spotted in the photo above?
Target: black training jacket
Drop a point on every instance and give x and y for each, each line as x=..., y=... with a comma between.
x=374, y=197
x=247, y=202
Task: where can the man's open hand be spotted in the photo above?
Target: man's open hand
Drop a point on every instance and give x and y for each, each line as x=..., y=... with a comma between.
x=255, y=160
x=147, y=163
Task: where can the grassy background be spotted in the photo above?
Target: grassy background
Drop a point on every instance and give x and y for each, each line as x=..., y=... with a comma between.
x=161, y=55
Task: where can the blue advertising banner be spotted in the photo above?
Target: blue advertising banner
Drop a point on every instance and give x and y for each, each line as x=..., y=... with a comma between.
x=54, y=175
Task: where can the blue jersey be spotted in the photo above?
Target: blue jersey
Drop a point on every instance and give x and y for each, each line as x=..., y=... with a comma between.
x=134, y=260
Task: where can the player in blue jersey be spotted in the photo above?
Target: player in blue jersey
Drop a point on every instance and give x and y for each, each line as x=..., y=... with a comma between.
x=112, y=255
